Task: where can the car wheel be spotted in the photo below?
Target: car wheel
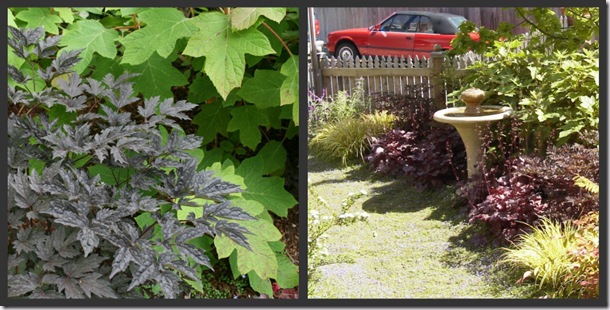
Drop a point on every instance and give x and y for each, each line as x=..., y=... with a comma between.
x=346, y=51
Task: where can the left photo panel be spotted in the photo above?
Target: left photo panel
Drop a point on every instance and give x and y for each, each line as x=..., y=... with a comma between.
x=152, y=153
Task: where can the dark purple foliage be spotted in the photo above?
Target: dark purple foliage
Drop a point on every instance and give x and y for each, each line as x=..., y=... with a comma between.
x=429, y=153
x=533, y=188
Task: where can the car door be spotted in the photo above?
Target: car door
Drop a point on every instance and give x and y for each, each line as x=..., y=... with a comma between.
x=392, y=38
x=429, y=33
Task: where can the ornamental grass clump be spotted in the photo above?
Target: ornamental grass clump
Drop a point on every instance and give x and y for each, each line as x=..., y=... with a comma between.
x=544, y=254
x=561, y=258
x=349, y=138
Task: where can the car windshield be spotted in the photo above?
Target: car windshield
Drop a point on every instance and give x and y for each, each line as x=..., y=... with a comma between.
x=457, y=21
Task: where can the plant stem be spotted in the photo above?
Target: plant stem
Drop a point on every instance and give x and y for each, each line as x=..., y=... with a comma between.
x=279, y=38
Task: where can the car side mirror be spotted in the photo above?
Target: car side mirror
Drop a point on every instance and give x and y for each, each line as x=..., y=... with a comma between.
x=374, y=27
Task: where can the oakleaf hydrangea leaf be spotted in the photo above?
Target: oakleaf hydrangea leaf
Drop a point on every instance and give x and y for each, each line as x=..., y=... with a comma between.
x=260, y=285
x=35, y=17
x=275, y=155
x=246, y=119
x=263, y=89
x=269, y=191
x=289, y=92
x=157, y=77
x=163, y=27
x=202, y=89
x=225, y=50
x=65, y=14
x=91, y=36
x=288, y=272
x=212, y=120
x=11, y=19
x=261, y=252
x=242, y=18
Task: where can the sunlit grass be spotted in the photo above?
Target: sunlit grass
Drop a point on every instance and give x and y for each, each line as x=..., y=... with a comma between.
x=414, y=244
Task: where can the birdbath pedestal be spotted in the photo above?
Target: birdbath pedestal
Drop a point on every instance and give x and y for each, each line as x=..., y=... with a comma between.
x=469, y=121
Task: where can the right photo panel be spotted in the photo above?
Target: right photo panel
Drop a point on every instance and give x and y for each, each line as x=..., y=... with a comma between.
x=453, y=152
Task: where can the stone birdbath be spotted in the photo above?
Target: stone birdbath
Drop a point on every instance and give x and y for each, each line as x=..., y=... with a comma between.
x=470, y=120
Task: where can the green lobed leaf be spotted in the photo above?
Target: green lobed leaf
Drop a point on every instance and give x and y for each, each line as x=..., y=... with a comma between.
x=263, y=89
x=269, y=191
x=11, y=19
x=211, y=121
x=144, y=220
x=103, y=66
x=65, y=14
x=58, y=113
x=274, y=155
x=261, y=259
x=289, y=92
x=260, y=285
x=91, y=36
x=164, y=26
x=243, y=18
x=246, y=119
x=110, y=176
x=201, y=89
x=224, y=49
x=36, y=17
x=157, y=76
x=132, y=11
x=287, y=273
x=226, y=172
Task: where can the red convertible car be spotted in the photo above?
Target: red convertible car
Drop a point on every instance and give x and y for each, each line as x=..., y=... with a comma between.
x=407, y=33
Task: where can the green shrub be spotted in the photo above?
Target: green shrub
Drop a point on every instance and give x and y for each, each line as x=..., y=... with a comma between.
x=556, y=94
x=545, y=255
x=349, y=138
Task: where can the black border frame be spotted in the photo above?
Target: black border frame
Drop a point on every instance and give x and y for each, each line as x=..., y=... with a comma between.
x=303, y=301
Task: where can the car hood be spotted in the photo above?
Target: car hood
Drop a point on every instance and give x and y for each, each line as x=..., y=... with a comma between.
x=350, y=32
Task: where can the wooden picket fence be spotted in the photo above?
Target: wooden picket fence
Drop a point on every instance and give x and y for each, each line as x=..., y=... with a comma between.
x=386, y=75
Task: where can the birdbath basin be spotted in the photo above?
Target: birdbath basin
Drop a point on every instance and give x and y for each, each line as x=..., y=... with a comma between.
x=470, y=120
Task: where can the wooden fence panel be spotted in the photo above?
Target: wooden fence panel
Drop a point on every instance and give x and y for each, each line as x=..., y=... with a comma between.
x=377, y=74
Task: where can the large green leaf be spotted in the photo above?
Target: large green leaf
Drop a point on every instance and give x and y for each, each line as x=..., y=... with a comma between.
x=103, y=66
x=11, y=19
x=289, y=92
x=288, y=273
x=13, y=60
x=274, y=155
x=261, y=259
x=260, y=285
x=163, y=27
x=201, y=89
x=224, y=49
x=212, y=120
x=111, y=176
x=36, y=17
x=157, y=76
x=263, y=89
x=246, y=119
x=269, y=191
x=242, y=18
x=91, y=36
x=65, y=14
